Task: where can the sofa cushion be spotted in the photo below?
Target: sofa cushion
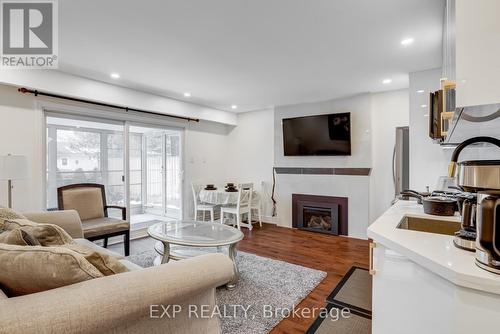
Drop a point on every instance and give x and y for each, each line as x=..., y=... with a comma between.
x=6, y=213
x=69, y=220
x=86, y=200
x=92, y=245
x=30, y=269
x=19, y=237
x=46, y=234
x=107, y=265
x=99, y=226
x=130, y=265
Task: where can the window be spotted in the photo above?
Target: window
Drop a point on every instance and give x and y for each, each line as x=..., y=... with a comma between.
x=85, y=152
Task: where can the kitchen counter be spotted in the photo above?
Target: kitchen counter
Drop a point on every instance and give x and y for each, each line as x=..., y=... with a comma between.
x=435, y=252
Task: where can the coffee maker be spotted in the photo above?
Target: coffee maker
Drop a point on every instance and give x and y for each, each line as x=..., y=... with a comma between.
x=476, y=179
x=488, y=233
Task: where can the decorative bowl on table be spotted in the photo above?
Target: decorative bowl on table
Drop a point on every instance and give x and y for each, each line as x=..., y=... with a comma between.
x=210, y=187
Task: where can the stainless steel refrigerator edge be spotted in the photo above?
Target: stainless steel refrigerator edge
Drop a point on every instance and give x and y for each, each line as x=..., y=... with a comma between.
x=401, y=161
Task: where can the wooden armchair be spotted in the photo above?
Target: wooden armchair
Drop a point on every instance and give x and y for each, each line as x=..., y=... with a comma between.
x=89, y=200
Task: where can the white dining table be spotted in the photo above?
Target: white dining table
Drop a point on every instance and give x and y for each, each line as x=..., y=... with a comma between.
x=222, y=197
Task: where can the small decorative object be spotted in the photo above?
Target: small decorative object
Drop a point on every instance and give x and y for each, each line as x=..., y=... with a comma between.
x=231, y=189
x=230, y=185
x=13, y=167
x=210, y=187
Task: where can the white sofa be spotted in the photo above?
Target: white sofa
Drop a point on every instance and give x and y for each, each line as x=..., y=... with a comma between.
x=121, y=303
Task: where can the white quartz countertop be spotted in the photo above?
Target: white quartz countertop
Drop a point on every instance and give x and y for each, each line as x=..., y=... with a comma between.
x=434, y=252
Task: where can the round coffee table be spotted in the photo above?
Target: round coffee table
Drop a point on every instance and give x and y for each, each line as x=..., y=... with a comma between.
x=194, y=234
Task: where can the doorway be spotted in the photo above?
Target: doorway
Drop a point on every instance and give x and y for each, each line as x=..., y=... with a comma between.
x=155, y=174
x=140, y=165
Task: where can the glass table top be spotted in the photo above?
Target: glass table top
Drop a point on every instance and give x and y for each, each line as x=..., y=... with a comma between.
x=193, y=233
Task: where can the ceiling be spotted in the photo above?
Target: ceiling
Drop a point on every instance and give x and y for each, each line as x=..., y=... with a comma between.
x=254, y=54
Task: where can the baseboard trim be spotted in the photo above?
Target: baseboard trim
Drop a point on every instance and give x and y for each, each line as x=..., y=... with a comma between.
x=270, y=220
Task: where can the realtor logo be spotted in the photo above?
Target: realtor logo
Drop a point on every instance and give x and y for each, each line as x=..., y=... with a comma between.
x=29, y=34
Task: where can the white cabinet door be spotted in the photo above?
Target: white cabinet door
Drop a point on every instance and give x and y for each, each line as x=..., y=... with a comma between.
x=407, y=298
x=477, y=52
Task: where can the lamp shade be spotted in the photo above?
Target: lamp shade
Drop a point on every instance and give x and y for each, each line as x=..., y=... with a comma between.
x=13, y=167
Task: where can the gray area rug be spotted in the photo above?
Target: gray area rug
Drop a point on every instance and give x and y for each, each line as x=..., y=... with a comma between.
x=263, y=283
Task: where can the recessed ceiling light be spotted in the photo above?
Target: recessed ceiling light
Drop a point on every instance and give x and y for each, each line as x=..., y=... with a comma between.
x=423, y=105
x=115, y=75
x=420, y=91
x=386, y=81
x=234, y=106
x=187, y=94
x=407, y=41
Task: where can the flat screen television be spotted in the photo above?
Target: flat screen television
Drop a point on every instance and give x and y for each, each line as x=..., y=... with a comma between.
x=317, y=135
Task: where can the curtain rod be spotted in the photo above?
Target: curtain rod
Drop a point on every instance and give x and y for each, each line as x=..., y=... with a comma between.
x=57, y=96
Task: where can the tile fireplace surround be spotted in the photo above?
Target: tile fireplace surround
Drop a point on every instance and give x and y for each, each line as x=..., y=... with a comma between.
x=324, y=214
x=350, y=183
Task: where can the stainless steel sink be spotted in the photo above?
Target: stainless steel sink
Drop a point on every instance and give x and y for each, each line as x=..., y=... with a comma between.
x=429, y=225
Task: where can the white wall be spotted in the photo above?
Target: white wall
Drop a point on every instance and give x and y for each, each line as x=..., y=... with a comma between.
x=21, y=133
x=355, y=188
x=65, y=84
x=359, y=107
x=214, y=152
x=250, y=153
x=389, y=110
x=21, y=127
x=22, y=130
x=206, y=158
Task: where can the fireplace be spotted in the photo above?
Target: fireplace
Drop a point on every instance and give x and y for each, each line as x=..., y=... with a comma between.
x=324, y=214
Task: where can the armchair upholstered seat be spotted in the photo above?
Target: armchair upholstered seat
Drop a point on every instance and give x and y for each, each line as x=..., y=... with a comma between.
x=89, y=200
x=97, y=226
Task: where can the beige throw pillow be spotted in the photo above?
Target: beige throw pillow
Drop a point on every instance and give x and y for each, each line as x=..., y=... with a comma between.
x=6, y=214
x=46, y=234
x=30, y=269
x=106, y=264
x=18, y=237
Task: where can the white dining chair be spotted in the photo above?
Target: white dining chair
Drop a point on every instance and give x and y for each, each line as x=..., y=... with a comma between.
x=243, y=204
x=199, y=205
x=257, y=206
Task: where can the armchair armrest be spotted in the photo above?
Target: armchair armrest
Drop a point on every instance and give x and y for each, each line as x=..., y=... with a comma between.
x=122, y=302
x=124, y=210
x=69, y=220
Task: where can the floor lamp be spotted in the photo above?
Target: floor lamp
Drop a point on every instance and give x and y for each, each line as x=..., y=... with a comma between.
x=13, y=167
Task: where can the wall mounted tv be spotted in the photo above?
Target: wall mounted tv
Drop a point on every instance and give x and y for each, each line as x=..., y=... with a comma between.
x=317, y=135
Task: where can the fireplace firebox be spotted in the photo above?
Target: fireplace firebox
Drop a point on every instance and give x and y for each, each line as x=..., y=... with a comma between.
x=324, y=214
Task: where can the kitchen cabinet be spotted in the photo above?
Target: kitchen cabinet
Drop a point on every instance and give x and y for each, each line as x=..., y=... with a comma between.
x=410, y=299
x=477, y=52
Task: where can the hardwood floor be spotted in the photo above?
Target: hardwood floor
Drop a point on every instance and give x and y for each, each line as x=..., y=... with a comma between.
x=332, y=254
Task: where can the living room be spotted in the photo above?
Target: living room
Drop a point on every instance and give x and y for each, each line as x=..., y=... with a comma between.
x=232, y=167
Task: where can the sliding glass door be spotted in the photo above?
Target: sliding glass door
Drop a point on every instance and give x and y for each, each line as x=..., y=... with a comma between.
x=154, y=155
x=161, y=172
x=83, y=150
